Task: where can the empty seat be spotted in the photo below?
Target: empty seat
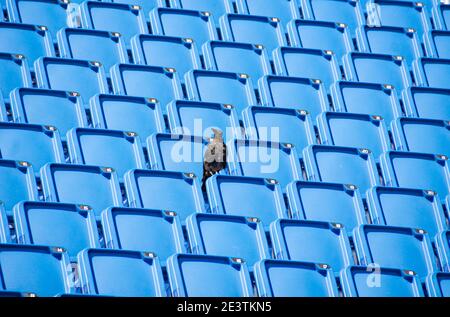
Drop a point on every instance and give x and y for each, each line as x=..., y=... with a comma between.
x=285, y=10
x=15, y=73
x=309, y=63
x=197, y=25
x=332, y=202
x=32, y=143
x=356, y=166
x=41, y=270
x=161, y=83
x=140, y=273
x=142, y=230
x=97, y=187
x=327, y=243
x=126, y=19
x=84, y=77
x=105, y=47
x=262, y=30
x=443, y=249
x=245, y=237
x=377, y=68
x=441, y=16
x=69, y=226
x=373, y=281
x=294, y=93
x=437, y=44
x=164, y=190
x=166, y=51
x=5, y=235
x=438, y=284
x=126, y=113
x=367, y=98
x=146, y=5
x=276, y=278
x=354, y=130
x=422, y=135
x=432, y=72
x=222, y=87
x=382, y=245
x=404, y=207
x=424, y=102
x=216, y=7
x=246, y=196
x=431, y=172
x=61, y=109
x=214, y=276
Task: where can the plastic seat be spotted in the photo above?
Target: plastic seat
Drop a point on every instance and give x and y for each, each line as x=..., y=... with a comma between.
x=437, y=44
x=356, y=166
x=354, y=130
x=372, y=281
x=327, y=242
x=309, y=63
x=331, y=202
x=61, y=109
x=381, y=245
x=126, y=113
x=146, y=5
x=432, y=72
x=423, y=102
x=164, y=190
x=216, y=7
x=377, y=68
x=5, y=236
x=276, y=278
x=245, y=237
x=246, y=196
x=212, y=276
x=441, y=16
x=97, y=187
x=367, y=98
x=142, y=230
x=140, y=273
x=15, y=73
x=56, y=224
x=285, y=10
x=431, y=172
x=438, y=284
x=443, y=249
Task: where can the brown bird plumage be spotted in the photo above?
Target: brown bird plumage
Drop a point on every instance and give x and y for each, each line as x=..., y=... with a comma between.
x=215, y=158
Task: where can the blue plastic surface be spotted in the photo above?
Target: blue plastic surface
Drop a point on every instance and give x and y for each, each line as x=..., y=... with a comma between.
x=441, y=16
x=443, y=249
x=438, y=284
x=285, y=10
x=432, y=72
x=216, y=7
x=15, y=73
x=437, y=43
x=432, y=103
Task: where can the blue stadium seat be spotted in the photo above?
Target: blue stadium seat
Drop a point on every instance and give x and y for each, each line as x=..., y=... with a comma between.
x=105, y=47
x=422, y=135
x=390, y=40
x=126, y=19
x=142, y=230
x=432, y=72
x=120, y=150
x=423, y=102
x=157, y=82
x=61, y=109
x=225, y=88
x=166, y=51
x=275, y=160
x=354, y=130
x=381, y=245
x=69, y=226
x=197, y=118
x=3, y=111
x=309, y=63
x=327, y=242
x=140, y=273
x=431, y=172
x=377, y=68
x=84, y=77
x=5, y=235
x=332, y=202
x=246, y=196
x=212, y=276
x=372, y=281
x=367, y=98
x=437, y=44
x=285, y=10
x=216, y=7
x=243, y=58
x=356, y=166
x=438, y=284
x=441, y=16
x=276, y=278
x=262, y=30
x=405, y=207
x=294, y=93
x=32, y=143
x=280, y=125
x=15, y=73
x=245, y=237
x=443, y=249
x=164, y=190
x=197, y=25
x=321, y=35
x=97, y=187
x=41, y=270
x=126, y=113
x=146, y=5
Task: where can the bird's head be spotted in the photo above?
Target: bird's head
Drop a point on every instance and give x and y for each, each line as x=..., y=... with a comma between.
x=218, y=134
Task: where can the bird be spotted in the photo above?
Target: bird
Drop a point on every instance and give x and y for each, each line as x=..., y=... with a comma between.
x=215, y=158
